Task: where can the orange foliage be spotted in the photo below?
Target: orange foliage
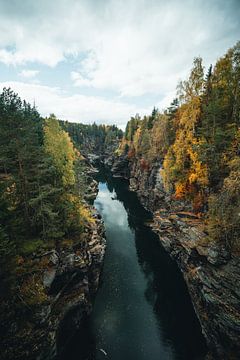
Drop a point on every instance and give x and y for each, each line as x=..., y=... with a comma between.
x=144, y=165
x=180, y=191
x=131, y=153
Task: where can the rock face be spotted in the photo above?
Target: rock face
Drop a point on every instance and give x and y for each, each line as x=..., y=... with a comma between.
x=212, y=275
x=143, y=180
x=213, y=280
x=91, y=191
x=72, y=283
x=68, y=278
x=120, y=167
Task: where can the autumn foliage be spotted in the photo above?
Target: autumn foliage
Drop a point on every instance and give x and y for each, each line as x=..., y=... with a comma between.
x=197, y=141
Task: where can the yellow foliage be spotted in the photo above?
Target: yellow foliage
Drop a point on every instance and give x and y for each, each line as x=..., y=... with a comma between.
x=190, y=113
x=77, y=213
x=86, y=214
x=180, y=191
x=182, y=165
x=59, y=146
x=192, y=178
x=136, y=138
x=168, y=169
x=198, y=172
x=32, y=291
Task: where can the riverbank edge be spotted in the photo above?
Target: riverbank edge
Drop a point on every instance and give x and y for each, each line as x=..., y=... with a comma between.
x=65, y=278
x=211, y=274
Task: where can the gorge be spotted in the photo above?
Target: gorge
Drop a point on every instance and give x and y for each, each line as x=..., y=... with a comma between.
x=124, y=244
x=142, y=309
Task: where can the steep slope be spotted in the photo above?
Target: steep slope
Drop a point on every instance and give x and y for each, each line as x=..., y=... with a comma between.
x=52, y=241
x=184, y=165
x=211, y=273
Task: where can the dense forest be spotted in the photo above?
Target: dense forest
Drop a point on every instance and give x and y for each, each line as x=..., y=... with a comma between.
x=93, y=138
x=44, y=214
x=42, y=180
x=197, y=140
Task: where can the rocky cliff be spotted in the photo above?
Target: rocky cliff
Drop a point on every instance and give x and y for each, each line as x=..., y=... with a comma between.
x=56, y=287
x=212, y=275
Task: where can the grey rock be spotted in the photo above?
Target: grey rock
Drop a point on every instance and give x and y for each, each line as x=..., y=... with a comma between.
x=212, y=276
x=218, y=254
x=48, y=277
x=54, y=259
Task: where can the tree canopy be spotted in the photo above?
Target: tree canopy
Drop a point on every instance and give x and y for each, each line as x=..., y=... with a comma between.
x=197, y=141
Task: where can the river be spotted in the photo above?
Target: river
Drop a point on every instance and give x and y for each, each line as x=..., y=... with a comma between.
x=142, y=310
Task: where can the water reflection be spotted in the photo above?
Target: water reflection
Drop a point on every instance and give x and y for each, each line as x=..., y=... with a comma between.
x=142, y=310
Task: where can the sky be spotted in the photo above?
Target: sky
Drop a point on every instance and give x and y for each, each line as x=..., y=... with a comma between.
x=104, y=61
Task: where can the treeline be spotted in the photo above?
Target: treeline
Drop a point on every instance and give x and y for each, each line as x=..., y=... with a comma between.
x=197, y=140
x=93, y=138
x=40, y=184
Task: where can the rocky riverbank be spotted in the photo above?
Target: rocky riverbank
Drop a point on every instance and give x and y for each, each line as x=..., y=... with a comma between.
x=211, y=274
x=55, y=290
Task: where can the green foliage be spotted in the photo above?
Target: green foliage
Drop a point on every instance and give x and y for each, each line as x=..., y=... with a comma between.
x=224, y=210
x=197, y=139
x=220, y=114
x=65, y=214
x=58, y=145
x=92, y=138
x=30, y=246
x=149, y=137
x=41, y=185
x=224, y=206
x=20, y=149
x=131, y=127
x=7, y=255
x=206, y=124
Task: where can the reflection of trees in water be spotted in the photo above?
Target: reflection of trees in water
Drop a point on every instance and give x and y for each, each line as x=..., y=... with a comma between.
x=166, y=290
x=167, y=293
x=135, y=211
x=104, y=176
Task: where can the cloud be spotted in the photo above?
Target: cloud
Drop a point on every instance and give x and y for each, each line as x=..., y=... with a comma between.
x=134, y=48
x=79, y=80
x=153, y=45
x=75, y=108
x=28, y=73
x=166, y=100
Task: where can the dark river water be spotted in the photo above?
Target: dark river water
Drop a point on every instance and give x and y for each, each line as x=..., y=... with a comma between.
x=142, y=310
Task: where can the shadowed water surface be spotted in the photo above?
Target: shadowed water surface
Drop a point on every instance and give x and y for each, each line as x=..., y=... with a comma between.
x=142, y=310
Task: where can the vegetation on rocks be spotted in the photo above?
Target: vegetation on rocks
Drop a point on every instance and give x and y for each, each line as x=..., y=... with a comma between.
x=197, y=141
x=42, y=206
x=93, y=138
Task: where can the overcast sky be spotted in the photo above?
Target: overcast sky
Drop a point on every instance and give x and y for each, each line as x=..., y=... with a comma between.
x=106, y=60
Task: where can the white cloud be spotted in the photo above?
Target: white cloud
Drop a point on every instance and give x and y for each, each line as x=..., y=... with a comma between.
x=79, y=80
x=28, y=73
x=166, y=100
x=130, y=48
x=76, y=108
x=135, y=47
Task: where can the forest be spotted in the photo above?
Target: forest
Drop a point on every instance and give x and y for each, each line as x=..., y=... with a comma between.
x=92, y=138
x=197, y=140
x=44, y=177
